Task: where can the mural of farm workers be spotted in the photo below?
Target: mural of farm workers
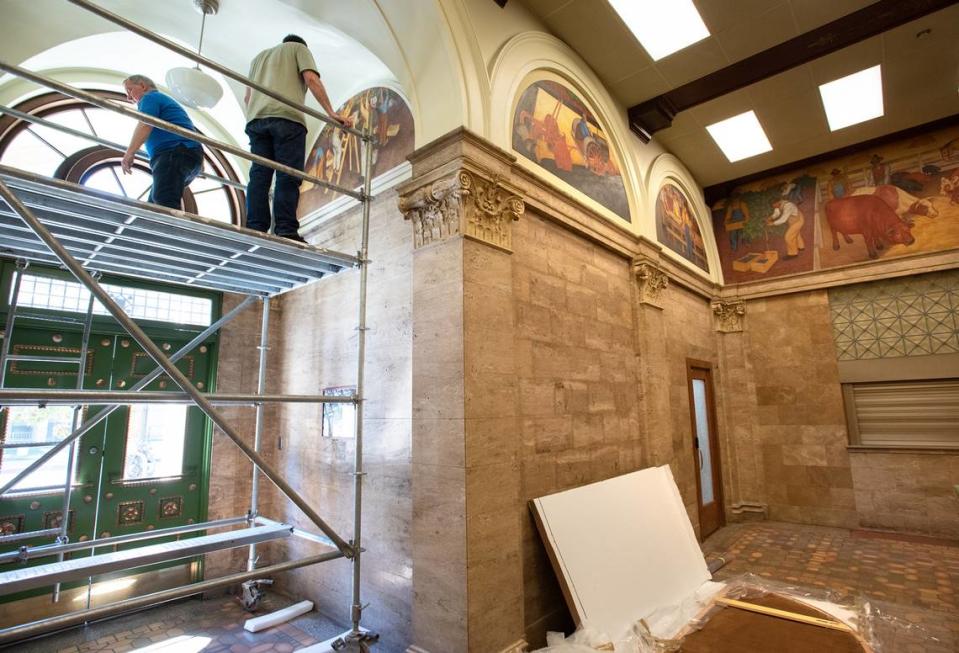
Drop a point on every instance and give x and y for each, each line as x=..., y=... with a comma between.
x=878, y=171
x=786, y=212
x=337, y=156
x=735, y=219
x=677, y=228
x=838, y=183
x=554, y=128
x=949, y=186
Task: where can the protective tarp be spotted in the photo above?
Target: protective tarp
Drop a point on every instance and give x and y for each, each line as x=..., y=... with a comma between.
x=871, y=627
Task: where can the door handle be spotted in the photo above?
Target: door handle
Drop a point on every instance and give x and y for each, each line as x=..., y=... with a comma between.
x=701, y=461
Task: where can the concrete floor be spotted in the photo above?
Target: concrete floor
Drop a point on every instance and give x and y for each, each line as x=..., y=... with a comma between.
x=911, y=585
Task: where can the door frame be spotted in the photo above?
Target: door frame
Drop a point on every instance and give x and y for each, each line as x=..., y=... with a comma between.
x=693, y=364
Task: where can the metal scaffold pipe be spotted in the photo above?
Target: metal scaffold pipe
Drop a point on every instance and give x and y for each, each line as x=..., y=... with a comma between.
x=258, y=423
x=358, y=473
x=133, y=397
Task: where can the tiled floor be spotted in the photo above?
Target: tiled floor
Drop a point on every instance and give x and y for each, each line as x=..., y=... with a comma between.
x=911, y=583
x=212, y=626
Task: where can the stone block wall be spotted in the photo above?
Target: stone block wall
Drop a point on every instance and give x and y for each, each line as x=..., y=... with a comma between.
x=796, y=421
x=785, y=417
x=907, y=491
x=314, y=347
x=577, y=375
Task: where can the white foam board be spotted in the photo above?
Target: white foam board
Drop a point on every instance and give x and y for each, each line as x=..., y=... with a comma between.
x=622, y=548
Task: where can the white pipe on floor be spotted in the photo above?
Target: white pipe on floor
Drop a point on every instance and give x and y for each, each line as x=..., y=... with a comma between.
x=274, y=618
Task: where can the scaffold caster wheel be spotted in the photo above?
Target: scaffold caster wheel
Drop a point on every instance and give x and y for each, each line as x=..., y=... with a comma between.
x=251, y=593
x=355, y=642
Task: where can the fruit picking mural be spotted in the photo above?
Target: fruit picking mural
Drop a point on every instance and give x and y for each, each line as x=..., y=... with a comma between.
x=895, y=200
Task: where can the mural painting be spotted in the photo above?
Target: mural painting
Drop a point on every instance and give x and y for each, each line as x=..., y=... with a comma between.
x=555, y=129
x=677, y=228
x=766, y=229
x=895, y=200
x=337, y=157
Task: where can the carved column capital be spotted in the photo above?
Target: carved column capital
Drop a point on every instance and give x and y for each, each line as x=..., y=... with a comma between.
x=462, y=203
x=651, y=282
x=729, y=316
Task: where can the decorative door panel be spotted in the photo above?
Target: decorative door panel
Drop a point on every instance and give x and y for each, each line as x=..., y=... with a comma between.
x=153, y=463
x=143, y=465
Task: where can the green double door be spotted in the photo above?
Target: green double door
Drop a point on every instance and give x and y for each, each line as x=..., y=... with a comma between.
x=142, y=468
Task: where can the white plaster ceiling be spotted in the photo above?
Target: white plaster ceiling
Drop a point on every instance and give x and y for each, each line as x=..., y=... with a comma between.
x=233, y=36
x=920, y=75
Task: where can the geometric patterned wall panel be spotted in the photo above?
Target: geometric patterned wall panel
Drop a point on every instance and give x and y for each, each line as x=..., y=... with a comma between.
x=909, y=316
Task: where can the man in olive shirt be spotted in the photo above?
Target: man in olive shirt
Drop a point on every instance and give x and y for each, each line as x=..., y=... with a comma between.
x=278, y=132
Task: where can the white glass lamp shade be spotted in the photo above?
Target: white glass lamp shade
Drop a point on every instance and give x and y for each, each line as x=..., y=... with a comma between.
x=193, y=87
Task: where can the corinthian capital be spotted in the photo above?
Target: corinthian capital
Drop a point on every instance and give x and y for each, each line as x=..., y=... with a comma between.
x=462, y=203
x=729, y=316
x=651, y=282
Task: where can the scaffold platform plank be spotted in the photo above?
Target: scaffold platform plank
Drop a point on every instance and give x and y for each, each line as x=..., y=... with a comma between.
x=116, y=235
x=60, y=572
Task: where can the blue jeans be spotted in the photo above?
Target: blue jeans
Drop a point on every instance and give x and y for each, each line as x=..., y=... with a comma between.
x=173, y=170
x=283, y=141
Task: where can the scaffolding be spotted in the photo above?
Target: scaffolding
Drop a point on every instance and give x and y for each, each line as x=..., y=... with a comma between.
x=48, y=221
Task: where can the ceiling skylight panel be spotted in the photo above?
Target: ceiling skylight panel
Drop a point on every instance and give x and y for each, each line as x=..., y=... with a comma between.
x=853, y=99
x=740, y=137
x=662, y=26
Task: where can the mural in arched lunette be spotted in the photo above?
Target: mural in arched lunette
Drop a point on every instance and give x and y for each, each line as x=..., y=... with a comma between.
x=337, y=156
x=677, y=228
x=556, y=130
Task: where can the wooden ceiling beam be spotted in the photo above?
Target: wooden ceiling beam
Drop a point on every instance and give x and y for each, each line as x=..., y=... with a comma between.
x=657, y=113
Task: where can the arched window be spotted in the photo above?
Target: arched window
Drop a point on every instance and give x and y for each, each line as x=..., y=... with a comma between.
x=45, y=151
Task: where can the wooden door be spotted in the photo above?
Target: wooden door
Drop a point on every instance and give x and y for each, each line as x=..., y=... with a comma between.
x=709, y=483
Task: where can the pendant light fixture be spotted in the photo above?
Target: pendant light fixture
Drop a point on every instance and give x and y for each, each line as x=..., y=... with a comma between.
x=192, y=86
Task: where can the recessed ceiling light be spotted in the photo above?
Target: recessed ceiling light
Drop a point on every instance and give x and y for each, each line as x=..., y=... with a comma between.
x=740, y=137
x=853, y=99
x=662, y=26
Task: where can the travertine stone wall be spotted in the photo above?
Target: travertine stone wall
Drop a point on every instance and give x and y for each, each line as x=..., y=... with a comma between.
x=798, y=421
x=907, y=491
x=439, y=450
x=577, y=372
x=314, y=347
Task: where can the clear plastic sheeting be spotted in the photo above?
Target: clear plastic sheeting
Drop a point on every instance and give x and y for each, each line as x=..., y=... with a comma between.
x=875, y=627
x=666, y=622
x=590, y=640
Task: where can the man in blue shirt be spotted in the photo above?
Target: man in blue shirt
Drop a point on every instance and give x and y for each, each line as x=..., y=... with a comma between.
x=174, y=160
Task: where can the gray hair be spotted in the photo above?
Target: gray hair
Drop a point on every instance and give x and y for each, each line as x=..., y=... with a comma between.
x=140, y=79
